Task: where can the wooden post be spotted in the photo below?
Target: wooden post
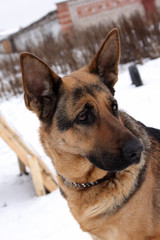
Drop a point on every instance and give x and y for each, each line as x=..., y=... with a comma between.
x=22, y=167
x=36, y=175
x=41, y=175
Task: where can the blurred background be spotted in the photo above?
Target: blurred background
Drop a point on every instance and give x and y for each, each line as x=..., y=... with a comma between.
x=67, y=34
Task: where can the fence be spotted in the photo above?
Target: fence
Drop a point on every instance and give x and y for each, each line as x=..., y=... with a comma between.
x=42, y=177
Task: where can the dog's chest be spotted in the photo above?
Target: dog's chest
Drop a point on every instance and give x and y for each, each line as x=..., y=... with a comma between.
x=111, y=232
x=127, y=224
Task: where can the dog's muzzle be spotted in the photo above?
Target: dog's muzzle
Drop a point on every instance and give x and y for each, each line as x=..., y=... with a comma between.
x=130, y=153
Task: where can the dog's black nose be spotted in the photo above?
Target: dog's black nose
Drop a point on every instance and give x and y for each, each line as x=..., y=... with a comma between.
x=132, y=150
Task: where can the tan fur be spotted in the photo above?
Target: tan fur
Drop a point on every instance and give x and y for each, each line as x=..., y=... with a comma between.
x=124, y=207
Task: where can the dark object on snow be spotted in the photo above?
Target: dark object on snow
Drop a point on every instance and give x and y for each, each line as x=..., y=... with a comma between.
x=135, y=77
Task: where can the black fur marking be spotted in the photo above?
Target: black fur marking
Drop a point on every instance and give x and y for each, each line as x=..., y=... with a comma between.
x=81, y=92
x=62, y=192
x=140, y=179
x=154, y=132
x=89, y=90
x=78, y=93
x=63, y=121
x=97, y=87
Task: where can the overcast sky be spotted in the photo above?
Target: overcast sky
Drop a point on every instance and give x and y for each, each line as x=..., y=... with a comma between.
x=20, y=13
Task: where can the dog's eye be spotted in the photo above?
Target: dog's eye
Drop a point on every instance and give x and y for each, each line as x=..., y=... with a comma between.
x=86, y=118
x=82, y=118
x=115, y=108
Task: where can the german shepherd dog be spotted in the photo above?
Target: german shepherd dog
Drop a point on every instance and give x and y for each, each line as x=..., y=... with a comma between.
x=107, y=163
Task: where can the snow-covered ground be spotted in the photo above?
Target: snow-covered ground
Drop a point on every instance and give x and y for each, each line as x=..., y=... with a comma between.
x=22, y=214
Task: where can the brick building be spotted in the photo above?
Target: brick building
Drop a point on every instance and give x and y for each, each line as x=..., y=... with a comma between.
x=82, y=13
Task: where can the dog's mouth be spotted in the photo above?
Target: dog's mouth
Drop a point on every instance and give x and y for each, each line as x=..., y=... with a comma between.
x=113, y=162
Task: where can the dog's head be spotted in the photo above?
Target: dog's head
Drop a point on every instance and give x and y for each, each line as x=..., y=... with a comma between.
x=80, y=122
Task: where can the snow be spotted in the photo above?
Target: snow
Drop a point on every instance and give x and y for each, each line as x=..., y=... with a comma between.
x=25, y=216
x=143, y=102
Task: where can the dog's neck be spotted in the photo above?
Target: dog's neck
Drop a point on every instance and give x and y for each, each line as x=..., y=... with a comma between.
x=87, y=184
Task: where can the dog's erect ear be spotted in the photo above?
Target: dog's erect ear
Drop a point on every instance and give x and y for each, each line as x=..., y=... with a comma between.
x=105, y=62
x=40, y=84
